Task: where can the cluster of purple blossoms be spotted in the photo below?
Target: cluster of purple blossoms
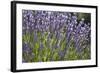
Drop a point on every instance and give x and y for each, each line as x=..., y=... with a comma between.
x=63, y=26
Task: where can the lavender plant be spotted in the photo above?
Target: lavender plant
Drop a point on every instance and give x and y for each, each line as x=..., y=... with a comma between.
x=55, y=36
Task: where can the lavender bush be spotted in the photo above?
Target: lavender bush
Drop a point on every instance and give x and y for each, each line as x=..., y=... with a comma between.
x=55, y=36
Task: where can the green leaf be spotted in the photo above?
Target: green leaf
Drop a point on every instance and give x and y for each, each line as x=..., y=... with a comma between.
x=44, y=58
x=36, y=45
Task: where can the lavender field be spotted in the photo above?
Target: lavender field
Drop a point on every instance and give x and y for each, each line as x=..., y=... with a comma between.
x=55, y=36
